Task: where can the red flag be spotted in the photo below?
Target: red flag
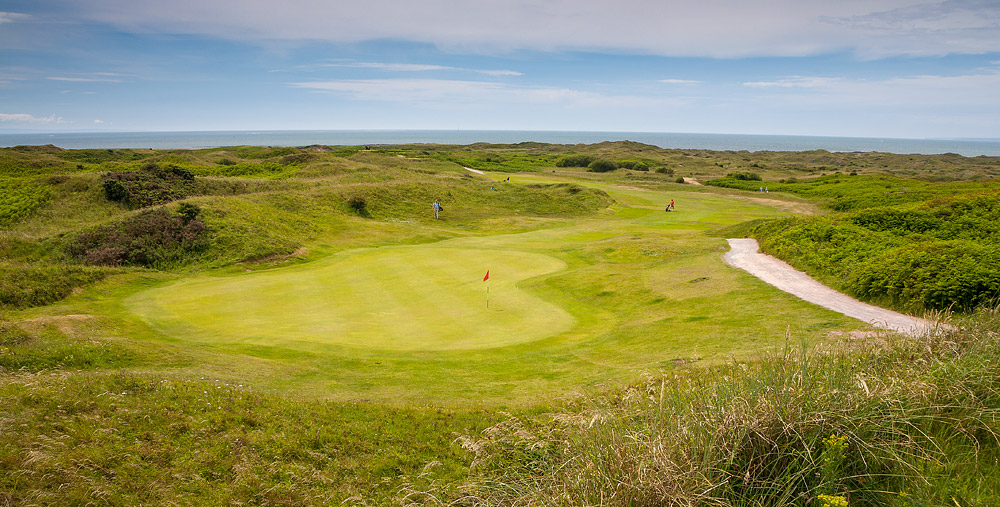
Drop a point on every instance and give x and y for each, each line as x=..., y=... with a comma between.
x=487, y=277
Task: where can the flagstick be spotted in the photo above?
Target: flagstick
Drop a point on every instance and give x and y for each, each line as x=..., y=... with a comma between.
x=487, y=293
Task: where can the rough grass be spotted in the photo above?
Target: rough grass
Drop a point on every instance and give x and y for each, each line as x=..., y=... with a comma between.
x=20, y=198
x=37, y=284
x=895, y=422
x=128, y=439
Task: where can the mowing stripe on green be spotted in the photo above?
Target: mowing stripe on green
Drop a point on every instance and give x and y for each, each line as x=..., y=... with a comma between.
x=428, y=297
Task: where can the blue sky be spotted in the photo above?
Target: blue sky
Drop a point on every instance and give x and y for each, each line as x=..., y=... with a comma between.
x=873, y=68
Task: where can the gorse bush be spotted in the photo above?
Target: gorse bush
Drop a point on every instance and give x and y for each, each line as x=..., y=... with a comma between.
x=575, y=161
x=602, y=166
x=358, y=204
x=149, y=186
x=635, y=165
x=958, y=274
x=744, y=176
x=153, y=238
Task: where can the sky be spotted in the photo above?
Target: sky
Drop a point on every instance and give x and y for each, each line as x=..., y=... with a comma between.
x=856, y=68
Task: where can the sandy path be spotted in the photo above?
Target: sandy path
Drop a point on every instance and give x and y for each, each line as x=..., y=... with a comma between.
x=474, y=170
x=744, y=254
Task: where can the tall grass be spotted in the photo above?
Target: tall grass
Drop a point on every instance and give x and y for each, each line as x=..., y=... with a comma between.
x=114, y=438
x=19, y=198
x=893, y=422
x=24, y=285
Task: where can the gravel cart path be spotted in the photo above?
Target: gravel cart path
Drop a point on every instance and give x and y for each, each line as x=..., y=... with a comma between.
x=744, y=254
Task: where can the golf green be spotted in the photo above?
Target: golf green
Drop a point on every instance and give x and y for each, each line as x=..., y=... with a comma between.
x=429, y=297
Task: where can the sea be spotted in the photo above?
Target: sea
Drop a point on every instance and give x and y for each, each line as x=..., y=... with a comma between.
x=721, y=142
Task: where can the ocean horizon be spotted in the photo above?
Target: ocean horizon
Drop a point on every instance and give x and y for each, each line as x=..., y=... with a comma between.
x=718, y=142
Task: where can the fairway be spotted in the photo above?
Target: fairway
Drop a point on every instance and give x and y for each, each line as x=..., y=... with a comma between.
x=397, y=298
x=572, y=303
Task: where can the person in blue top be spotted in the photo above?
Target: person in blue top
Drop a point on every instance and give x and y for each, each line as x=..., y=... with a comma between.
x=437, y=208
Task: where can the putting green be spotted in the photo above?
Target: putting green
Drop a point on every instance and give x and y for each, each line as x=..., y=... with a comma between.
x=428, y=297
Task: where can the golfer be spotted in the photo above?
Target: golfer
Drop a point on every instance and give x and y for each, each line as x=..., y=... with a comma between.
x=437, y=208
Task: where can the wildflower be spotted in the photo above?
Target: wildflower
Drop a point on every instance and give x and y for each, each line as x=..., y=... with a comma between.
x=835, y=442
x=831, y=501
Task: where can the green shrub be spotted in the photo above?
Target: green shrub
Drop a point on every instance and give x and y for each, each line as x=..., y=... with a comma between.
x=149, y=186
x=602, y=166
x=188, y=211
x=358, y=204
x=744, y=176
x=669, y=171
x=575, y=161
x=937, y=275
x=114, y=190
x=635, y=165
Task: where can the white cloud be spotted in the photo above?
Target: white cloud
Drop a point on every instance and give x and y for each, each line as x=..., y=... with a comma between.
x=709, y=28
x=392, y=67
x=415, y=67
x=84, y=79
x=796, y=82
x=442, y=91
x=27, y=118
x=98, y=122
x=12, y=17
x=679, y=81
x=500, y=72
x=402, y=90
x=928, y=91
